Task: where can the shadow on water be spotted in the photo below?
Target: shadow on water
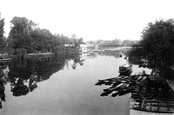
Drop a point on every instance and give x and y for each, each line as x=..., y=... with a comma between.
x=149, y=92
x=24, y=76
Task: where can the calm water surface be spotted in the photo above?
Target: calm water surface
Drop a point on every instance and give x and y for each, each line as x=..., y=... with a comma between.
x=69, y=90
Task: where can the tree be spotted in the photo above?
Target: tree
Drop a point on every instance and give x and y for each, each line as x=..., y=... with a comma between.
x=98, y=41
x=128, y=42
x=63, y=39
x=80, y=41
x=2, y=37
x=76, y=41
x=24, y=33
x=19, y=36
x=157, y=47
x=1, y=28
x=44, y=40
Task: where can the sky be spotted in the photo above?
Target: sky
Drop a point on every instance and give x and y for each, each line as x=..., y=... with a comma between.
x=89, y=19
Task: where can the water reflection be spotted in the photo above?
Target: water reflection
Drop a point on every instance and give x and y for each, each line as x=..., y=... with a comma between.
x=24, y=76
x=79, y=60
x=74, y=92
x=2, y=89
x=3, y=81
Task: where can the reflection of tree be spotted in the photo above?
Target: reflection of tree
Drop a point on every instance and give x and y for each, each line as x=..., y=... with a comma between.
x=2, y=94
x=77, y=60
x=2, y=88
x=19, y=88
x=32, y=82
x=24, y=79
x=46, y=67
x=19, y=71
x=18, y=76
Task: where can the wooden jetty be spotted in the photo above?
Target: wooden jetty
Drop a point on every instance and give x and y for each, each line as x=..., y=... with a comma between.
x=121, y=85
x=154, y=105
x=155, y=97
x=136, y=112
x=147, y=96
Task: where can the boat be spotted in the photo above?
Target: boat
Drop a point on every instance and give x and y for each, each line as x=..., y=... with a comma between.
x=155, y=106
x=125, y=69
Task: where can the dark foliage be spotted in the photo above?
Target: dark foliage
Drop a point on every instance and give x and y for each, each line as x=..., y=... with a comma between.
x=3, y=43
x=156, y=47
x=26, y=34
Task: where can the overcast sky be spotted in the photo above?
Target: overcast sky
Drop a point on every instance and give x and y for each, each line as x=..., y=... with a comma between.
x=90, y=19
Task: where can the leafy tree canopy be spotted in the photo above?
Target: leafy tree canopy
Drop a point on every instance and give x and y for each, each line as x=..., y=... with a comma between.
x=25, y=34
x=129, y=42
x=19, y=36
x=157, y=46
x=2, y=37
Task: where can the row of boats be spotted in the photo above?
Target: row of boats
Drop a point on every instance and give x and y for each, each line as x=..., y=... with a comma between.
x=148, y=93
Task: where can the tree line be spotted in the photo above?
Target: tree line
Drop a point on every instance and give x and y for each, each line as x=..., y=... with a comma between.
x=24, y=33
x=113, y=43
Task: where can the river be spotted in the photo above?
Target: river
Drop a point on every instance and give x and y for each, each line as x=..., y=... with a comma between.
x=63, y=87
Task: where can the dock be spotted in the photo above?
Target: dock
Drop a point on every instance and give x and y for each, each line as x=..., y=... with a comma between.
x=136, y=112
x=150, y=95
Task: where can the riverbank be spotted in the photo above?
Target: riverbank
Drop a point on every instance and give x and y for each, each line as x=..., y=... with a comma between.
x=112, y=49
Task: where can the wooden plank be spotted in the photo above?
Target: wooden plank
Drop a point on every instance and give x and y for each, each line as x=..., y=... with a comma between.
x=152, y=106
x=136, y=112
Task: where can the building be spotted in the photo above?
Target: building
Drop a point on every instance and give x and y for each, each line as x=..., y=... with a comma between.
x=83, y=48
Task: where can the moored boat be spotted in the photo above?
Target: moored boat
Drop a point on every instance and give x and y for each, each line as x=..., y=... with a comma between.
x=125, y=69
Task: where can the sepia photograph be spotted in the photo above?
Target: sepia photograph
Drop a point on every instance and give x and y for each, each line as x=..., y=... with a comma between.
x=87, y=57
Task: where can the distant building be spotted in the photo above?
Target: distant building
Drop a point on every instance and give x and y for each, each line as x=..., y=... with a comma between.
x=109, y=44
x=90, y=46
x=69, y=45
x=83, y=47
